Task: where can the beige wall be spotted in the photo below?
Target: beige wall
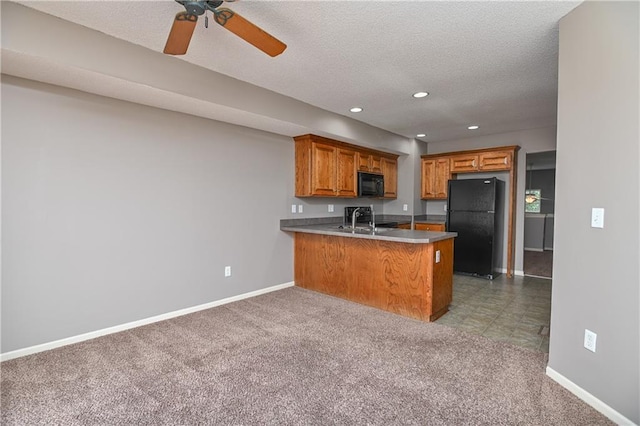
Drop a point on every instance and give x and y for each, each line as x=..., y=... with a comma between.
x=114, y=212
x=596, y=278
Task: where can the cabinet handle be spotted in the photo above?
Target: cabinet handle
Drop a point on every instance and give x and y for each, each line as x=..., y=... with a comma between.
x=505, y=161
x=473, y=163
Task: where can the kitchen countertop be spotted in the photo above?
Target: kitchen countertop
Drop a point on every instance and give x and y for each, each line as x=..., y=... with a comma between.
x=385, y=234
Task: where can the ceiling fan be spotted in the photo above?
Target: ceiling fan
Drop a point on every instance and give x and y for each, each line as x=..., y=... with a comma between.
x=185, y=23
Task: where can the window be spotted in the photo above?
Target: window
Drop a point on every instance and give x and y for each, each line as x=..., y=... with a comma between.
x=532, y=201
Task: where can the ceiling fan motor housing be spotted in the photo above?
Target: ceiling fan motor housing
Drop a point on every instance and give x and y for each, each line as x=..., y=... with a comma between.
x=199, y=7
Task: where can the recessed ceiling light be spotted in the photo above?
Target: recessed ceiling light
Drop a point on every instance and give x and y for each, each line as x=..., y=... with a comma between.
x=474, y=127
x=421, y=135
x=356, y=109
x=420, y=94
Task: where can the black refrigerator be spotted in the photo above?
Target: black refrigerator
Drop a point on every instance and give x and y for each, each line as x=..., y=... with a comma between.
x=475, y=211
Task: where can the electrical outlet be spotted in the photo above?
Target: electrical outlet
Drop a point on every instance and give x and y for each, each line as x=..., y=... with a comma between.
x=445, y=207
x=437, y=256
x=299, y=208
x=227, y=271
x=590, y=340
x=330, y=208
x=597, y=217
x=405, y=207
x=293, y=208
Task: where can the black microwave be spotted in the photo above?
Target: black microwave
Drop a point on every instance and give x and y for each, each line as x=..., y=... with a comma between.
x=370, y=185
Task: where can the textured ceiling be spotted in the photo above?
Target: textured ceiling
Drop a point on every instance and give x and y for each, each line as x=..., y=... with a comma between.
x=493, y=64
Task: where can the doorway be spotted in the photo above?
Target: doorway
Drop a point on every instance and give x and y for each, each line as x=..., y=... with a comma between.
x=539, y=214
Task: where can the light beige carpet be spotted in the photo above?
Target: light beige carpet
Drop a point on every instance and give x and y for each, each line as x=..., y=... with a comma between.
x=288, y=357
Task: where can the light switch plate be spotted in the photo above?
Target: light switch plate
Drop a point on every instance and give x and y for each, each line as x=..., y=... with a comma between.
x=405, y=207
x=299, y=208
x=597, y=217
x=293, y=208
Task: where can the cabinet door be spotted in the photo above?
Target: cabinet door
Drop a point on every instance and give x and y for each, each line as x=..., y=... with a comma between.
x=404, y=226
x=375, y=164
x=363, y=162
x=498, y=160
x=390, y=171
x=428, y=178
x=435, y=178
x=346, y=173
x=323, y=175
x=442, y=176
x=437, y=227
x=464, y=163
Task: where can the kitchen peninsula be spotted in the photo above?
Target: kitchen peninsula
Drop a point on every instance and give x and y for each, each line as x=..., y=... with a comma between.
x=406, y=272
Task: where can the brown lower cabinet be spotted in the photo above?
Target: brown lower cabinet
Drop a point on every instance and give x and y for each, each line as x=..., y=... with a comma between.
x=437, y=227
x=402, y=278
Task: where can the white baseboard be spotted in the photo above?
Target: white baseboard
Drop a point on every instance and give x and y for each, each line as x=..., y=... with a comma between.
x=594, y=402
x=122, y=327
x=533, y=249
x=548, y=248
x=519, y=273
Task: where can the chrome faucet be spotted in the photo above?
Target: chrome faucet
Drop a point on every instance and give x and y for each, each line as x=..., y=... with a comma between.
x=354, y=215
x=372, y=224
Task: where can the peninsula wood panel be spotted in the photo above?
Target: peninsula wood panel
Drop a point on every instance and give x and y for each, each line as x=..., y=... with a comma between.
x=396, y=277
x=442, y=280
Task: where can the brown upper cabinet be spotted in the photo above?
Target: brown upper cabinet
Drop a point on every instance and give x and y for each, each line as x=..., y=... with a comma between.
x=464, y=163
x=389, y=168
x=435, y=177
x=486, y=161
x=495, y=160
x=368, y=162
x=328, y=168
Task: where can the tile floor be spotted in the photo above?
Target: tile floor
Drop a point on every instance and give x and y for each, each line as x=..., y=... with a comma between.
x=514, y=310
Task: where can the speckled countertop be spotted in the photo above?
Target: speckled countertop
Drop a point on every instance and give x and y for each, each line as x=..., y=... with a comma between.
x=324, y=226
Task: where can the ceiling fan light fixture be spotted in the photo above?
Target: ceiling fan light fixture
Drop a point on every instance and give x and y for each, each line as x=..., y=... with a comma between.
x=530, y=198
x=420, y=94
x=356, y=109
x=473, y=127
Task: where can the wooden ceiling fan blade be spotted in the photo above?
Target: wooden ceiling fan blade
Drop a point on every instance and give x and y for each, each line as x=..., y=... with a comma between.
x=180, y=34
x=249, y=32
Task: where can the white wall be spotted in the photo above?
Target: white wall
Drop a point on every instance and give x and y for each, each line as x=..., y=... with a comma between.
x=114, y=212
x=596, y=278
x=533, y=140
